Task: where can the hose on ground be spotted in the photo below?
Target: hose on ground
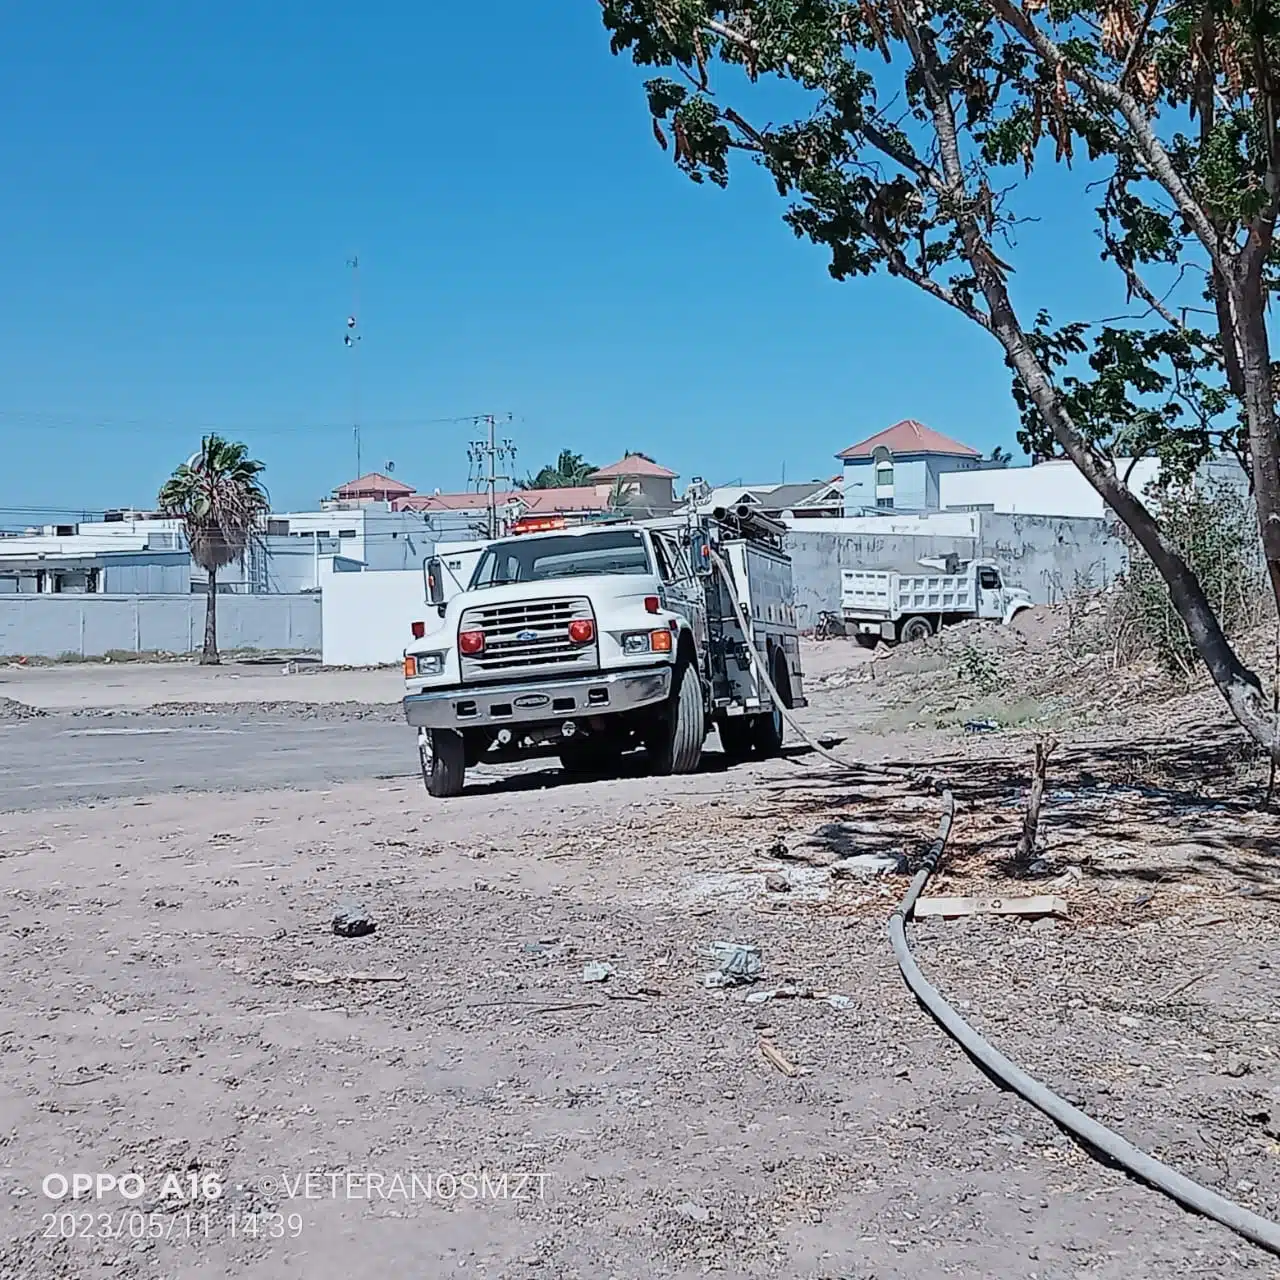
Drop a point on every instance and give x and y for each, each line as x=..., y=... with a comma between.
x=1191, y=1195
x=1145, y=1168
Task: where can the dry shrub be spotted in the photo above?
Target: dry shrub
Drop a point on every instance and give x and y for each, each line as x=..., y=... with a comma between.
x=1216, y=530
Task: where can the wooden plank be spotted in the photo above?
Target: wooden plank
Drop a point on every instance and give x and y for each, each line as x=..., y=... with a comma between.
x=1044, y=904
x=775, y=1056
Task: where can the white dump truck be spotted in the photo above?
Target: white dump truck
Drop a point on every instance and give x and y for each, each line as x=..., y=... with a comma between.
x=586, y=640
x=890, y=606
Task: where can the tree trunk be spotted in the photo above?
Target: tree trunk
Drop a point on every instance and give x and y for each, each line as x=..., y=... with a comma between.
x=209, y=654
x=1254, y=345
x=1241, y=689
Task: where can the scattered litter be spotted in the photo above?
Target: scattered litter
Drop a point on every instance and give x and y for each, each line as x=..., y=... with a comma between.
x=776, y=882
x=595, y=971
x=866, y=866
x=736, y=963
x=694, y=1212
x=353, y=922
x=788, y=991
x=775, y=1057
x=829, y=740
x=778, y=849
x=1200, y=921
x=981, y=726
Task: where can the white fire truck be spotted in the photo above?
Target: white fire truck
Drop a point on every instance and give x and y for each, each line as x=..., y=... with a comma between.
x=587, y=640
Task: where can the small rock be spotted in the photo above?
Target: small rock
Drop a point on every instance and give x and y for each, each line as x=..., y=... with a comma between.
x=353, y=922
x=866, y=866
x=595, y=971
x=776, y=882
x=694, y=1212
x=1046, y=924
x=1235, y=1065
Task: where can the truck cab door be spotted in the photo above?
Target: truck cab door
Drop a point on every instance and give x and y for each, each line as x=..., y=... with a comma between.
x=682, y=592
x=990, y=593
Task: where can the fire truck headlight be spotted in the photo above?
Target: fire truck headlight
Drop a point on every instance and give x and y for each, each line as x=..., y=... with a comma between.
x=635, y=642
x=430, y=664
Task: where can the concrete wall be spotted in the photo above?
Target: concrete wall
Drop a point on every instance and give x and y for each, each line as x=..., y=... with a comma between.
x=1048, y=557
x=1052, y=557
x=90, y=626
x=367, y=616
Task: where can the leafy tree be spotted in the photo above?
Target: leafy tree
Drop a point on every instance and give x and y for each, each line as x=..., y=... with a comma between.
x=568, y=471
x=999, y=457
x=912, y=126
x=219, y=497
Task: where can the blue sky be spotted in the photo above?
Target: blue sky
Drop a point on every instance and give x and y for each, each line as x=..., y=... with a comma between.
x=185, y=186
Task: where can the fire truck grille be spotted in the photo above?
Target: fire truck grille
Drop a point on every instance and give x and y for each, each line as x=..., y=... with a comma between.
x=526, y=638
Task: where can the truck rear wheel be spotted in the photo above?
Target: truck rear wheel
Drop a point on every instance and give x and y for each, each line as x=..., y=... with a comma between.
x=767, y=729
x=443, y=756
x=735, y=738
x=675, y=742
x=915, y=629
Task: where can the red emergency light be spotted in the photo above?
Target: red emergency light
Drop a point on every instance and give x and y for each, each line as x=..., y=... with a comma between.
x=539, y=524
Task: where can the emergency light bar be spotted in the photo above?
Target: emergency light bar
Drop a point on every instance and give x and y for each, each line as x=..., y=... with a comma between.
x=539, y=524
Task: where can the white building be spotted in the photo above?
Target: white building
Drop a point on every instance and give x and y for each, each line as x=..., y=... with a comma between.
x=1053, y=488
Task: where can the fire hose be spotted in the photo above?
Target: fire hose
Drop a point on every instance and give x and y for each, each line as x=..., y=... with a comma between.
x=1147, y=1169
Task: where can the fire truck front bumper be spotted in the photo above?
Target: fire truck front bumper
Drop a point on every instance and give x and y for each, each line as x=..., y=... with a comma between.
x=604, y=693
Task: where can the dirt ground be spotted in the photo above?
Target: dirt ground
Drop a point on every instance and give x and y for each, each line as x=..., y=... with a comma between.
x=449, y=1094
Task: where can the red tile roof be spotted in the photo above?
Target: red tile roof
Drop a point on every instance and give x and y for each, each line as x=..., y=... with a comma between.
x=534, y=501
x=562, y=501
x=632, y=465
x=453, y=501
x=909, y=436
x=374, y=483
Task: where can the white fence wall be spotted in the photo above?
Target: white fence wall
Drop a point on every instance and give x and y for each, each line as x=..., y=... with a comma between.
x=89, y=626
x=367, y=616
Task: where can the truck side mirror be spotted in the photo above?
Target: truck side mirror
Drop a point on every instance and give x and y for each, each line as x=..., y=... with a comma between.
x=434, y=571
x=700, y=553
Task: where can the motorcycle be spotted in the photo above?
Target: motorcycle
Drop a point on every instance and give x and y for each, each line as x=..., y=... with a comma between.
x=829, y=626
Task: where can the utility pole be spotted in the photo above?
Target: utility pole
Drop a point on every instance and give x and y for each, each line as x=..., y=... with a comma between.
x=484, y=455
x=352, y=340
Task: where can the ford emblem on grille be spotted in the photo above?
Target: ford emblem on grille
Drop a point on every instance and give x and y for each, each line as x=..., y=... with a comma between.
x=533, y=700
x=526, y=635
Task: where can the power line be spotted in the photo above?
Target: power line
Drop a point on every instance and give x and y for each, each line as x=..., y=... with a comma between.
x=30, y=420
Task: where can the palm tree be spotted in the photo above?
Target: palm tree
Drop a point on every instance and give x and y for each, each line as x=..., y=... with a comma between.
x=219, y=498
x=999, y=457
x=568, y=471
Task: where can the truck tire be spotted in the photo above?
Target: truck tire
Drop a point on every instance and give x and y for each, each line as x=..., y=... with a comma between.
x=919, y=628
x=675, y=742
x=735, y=738
x=444, y=763
x=767, y=729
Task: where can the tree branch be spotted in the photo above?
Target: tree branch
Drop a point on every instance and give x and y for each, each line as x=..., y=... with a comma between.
x=1112, y=95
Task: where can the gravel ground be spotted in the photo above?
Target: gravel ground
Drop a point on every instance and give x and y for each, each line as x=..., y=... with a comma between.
x=176, y=1001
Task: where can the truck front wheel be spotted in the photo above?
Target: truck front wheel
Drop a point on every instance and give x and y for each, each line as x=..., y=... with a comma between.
x=674, y=742
x=443, y=756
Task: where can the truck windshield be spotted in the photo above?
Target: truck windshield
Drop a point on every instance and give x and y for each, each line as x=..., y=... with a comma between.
x=570, y=556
